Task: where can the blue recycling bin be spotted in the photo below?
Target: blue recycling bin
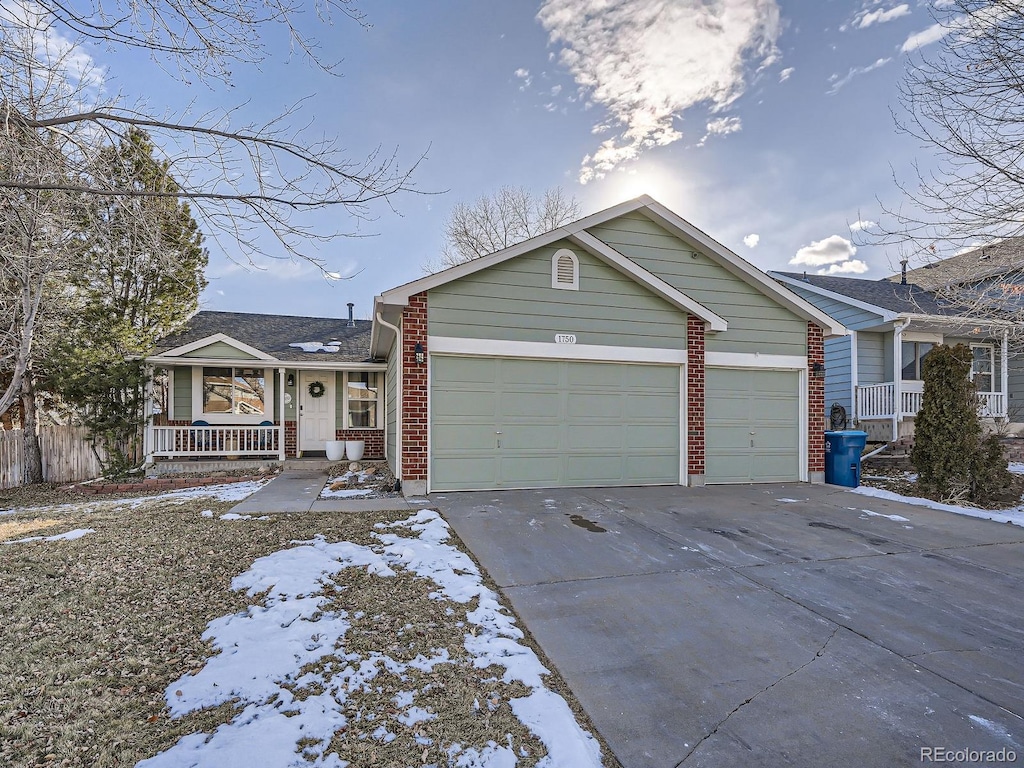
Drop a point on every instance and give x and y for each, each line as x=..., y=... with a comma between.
x=842, y=456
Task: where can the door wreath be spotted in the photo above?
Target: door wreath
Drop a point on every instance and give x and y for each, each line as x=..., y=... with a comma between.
x=317, y=389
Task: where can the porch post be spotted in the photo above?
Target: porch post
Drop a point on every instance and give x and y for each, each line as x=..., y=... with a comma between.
x=147, y=431
x=897, y=376
x=1004, y=372
x=280, y=411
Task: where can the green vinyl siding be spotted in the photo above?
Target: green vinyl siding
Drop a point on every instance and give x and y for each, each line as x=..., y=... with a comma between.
x=515, y=301
x=220, y=350
x=391, y=406
x=521, y=423
x=756, y=322
x=182, y=394
x=871, y=367
x=752, y=425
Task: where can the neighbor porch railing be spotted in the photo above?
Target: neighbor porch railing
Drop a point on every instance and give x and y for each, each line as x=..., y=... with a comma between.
x=190, y=441
x=875, y=401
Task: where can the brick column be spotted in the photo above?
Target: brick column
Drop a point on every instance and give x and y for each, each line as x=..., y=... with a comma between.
x=815, y=405
x=290, y=440
x=414, y=397
x=694, y=401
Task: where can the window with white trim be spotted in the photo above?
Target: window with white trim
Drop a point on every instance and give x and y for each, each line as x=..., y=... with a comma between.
x=362, y=394
x=234, y=390
x=913, y=355
x=565, y=270
x=983, y=366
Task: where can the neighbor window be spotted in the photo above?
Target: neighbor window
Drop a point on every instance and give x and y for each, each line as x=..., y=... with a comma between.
x=983, y=366
x=914, y=353
x=362, y=400
x=234, y=390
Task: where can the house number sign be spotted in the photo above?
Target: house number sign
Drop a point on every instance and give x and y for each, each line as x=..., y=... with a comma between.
x=565, y=338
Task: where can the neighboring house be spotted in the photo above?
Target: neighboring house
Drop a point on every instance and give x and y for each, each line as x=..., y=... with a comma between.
x=998, y=264
x=252, y=380
x=892, y=327
x=628, y=348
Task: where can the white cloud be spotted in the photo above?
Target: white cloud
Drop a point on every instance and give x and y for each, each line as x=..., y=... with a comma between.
x=648, y=61
x=880, y=16
x=522, y=73
x=932, y=34
x=839, y=82
x=751, y=240
x=832, y=250
x=851, y=267
x=784, y=75
x=721, y=126
x=51, y=50
x=862, y=224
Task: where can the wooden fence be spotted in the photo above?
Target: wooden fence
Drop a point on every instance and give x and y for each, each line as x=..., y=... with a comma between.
x=67, y=456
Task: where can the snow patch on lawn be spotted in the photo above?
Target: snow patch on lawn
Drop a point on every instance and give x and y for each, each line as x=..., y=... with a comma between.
x=263, y=650
x=224, y=492
x=69, y=536
x=345, y=493
x=1014, y=515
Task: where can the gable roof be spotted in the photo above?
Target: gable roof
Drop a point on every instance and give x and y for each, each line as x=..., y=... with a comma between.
x=977, y=264
x=576, y=233
x=273, y=335
x=882, y=296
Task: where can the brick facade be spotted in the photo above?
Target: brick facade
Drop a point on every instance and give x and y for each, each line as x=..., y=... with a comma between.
x=695, y=329
x=373, y=438
x=414, y=391
x=290, y=440
x=815, y=400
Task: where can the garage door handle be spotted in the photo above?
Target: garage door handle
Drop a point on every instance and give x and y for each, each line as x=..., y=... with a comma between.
x=499, y=433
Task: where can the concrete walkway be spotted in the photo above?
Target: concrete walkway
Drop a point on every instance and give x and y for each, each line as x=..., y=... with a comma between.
x=764, y=625
x=298, y=490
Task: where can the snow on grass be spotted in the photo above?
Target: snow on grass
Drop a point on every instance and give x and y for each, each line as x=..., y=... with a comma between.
x=345, y=493
x=897, y=518
x=1017, y=467
x=791, y=501
x=1014, y=515
x=264, y=649
x=223, y=492
x=69, y=536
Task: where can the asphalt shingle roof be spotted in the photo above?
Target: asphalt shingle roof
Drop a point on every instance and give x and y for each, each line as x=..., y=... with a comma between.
x=912, y=299
x=978, y=264
x=274, y=333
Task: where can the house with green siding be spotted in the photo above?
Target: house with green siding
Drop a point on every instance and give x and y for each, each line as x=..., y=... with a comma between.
x=627, y=348
x=873, y=374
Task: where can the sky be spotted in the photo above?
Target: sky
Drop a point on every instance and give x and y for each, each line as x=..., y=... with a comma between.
x=765, y=123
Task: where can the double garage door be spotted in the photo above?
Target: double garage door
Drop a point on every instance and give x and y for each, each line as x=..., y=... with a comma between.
x=524, y=423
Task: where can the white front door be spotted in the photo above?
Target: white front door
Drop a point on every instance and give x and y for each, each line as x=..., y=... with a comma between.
x=316, y=414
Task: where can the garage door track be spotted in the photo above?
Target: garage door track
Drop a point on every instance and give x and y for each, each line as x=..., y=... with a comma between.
x=765, y=625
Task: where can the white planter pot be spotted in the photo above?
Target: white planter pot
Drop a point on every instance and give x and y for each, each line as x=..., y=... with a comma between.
x=336, y=450
x=354, y=449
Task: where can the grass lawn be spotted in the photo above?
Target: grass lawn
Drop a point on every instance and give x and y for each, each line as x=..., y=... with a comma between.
x=394, y=653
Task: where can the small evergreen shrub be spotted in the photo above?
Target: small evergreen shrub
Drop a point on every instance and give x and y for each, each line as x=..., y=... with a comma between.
x=952, y=459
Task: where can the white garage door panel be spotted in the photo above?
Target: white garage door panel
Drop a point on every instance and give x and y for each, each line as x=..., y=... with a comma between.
x=524, y=423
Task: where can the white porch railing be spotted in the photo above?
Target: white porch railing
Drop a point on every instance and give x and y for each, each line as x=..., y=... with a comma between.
x=193, y=441
x=875, y=401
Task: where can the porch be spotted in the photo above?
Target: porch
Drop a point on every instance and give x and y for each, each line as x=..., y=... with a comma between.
x=205, y=442
x=877, y=401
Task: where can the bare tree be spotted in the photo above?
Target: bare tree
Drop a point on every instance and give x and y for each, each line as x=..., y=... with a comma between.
x=500, y=220
x=963, y=99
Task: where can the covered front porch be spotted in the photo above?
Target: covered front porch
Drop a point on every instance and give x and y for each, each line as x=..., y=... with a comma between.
x=886, y=409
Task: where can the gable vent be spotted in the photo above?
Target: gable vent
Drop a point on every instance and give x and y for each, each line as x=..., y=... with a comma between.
x=565, y=270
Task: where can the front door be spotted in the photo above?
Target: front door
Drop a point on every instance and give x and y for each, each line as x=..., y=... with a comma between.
x=316, y=414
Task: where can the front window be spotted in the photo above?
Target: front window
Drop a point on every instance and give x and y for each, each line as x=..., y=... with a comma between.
x=362, y=400
x=234, y=390
x=914, y=353
x=982, y=367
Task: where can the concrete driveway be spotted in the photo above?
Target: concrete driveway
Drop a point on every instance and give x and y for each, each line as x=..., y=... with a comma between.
x=765, y=625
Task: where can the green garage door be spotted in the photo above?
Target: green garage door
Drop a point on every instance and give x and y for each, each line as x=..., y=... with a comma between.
x=752, y=425
x=517, y=423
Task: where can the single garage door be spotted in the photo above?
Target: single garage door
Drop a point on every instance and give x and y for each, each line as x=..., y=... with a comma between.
x=519, y=423
x=752, y=425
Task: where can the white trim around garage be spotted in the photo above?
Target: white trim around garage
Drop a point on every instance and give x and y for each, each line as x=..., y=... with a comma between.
x=447, y=345
x=753, y=360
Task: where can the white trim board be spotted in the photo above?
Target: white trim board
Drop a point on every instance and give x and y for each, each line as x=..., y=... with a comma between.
x=446, y=345
x=177, y=352
x=753, y=360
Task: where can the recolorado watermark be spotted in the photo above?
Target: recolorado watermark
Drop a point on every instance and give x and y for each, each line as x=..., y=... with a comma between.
x=966, y=756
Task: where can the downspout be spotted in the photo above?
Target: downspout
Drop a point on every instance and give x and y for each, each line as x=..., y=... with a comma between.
x=398, y=398
x=1004, y=373
x=280, y=411
x=897, y=376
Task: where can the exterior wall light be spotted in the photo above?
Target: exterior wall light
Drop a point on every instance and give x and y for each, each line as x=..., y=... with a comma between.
x=291, y=380
x=818, y=370
x=420, y=356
